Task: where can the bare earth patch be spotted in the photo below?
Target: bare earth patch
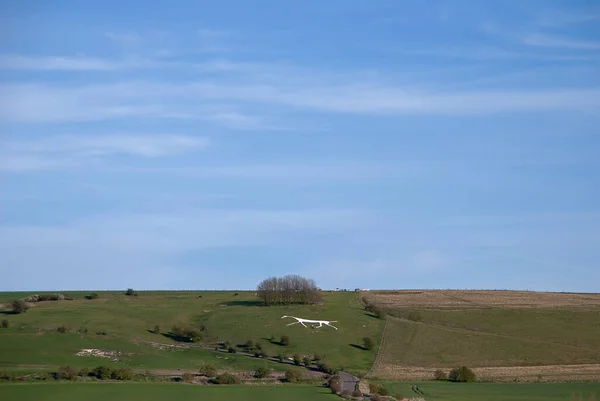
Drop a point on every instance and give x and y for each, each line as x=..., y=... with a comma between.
x=482, y=299
x=112, y=355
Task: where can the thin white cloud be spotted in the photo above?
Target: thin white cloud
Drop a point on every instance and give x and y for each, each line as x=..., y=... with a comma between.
x=541, y=40
x=561, y=18
x=101, y=145
x=59, y=63
x=492, y=53
x=36, y=103
x=28, y=163
x=72, y=151
x=126, y=39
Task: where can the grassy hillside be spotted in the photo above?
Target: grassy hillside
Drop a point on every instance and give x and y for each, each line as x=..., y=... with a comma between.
x=159, y=392
x=32, y=337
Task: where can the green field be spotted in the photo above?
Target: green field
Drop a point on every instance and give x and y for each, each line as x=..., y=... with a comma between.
x=435, y=391
x=428, y=344
x=32, y=338
x=487, y=329
x=158, y=392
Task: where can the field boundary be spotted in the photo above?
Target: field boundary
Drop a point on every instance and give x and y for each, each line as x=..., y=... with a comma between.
x=379, y=356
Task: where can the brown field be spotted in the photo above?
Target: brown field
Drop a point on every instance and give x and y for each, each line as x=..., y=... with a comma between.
x=482, y=299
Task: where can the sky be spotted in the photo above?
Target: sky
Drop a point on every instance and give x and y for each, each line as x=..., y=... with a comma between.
x=376, y=144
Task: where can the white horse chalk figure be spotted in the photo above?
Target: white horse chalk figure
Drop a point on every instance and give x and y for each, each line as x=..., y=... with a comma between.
x=315, y=322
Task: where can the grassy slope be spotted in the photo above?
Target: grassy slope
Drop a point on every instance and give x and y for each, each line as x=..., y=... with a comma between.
x=497, y=392
x=158, y=391
x=493, y=336
x=422, y=344
x=32, y=338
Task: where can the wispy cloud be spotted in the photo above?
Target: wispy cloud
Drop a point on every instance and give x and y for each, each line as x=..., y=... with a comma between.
x=69, y=151
x=77, y=63
x=101, y=145
x=35, y=103
x=542, y=40
x=495, y=53
x=126, y=39
x=561, y=18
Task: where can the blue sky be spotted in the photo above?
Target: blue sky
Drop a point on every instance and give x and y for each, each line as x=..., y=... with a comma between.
x=373, y=144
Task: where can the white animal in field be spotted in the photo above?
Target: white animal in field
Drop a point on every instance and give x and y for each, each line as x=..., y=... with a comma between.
x=309, y=321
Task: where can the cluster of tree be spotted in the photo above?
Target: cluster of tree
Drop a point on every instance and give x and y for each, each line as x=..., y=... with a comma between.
x=101, y=372
x=290, y=289
x=460, y=374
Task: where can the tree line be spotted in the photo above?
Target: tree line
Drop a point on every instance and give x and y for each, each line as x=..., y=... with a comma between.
x=290, y=289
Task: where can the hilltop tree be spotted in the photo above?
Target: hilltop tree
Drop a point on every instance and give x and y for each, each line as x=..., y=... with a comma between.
x=19, y=306
x=290, y=289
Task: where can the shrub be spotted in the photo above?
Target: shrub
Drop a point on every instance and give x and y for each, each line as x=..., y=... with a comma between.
x=462, y=374
x=249, y=344
x=84, y=372
x=375, y=388
x=335, y=384
x=226, y=378
x=377, y=397
x=156, y=329
x=285, y=340
x=67, y=373
x=297, y=359
x=208, y=370
x=187, y=377
x=306, y=361
x=182, y=333
x=415, y=316
x=102, y=372
x=357, y=394
x=101, y=333
x=260, y=354
x=62, y=329
x=317, y=357
x=440, y=375
x=377, y=311
x=5, y=324
x=368, y=343
x=122, y=374
x=262, y=372
x=82, y=330
x=130, y=292
x=293, y=376
x=93, y=295
x=281, y=357
x=346, y=394
x=19, y=306
x=324, y=367
x=231, y=350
